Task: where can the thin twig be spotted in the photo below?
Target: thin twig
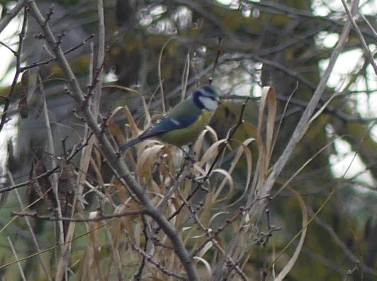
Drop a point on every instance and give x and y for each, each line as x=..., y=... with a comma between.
x=35, y=64
x=6, y=105
x=95, y=219
x=369, y=25
x=218, y=53
x=32, y=234
x=77, y=149
x=52, y=162
x=364, y=46
x=93, y=90
x=163, y=97
x=138, y=274
x=150, y=260
x=303, y=124
x=117, y=165
x=338, y=240
x=16, y=257
x=228, y=138
x=230, y=263
x=45, y=250
x=199, y=183
x=114, y=251
x=10, y=15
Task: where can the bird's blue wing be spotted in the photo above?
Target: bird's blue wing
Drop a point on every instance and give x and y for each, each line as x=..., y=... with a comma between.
x=167, y=124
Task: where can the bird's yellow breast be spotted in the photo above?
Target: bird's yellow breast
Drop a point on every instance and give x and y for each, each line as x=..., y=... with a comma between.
x=189, y=134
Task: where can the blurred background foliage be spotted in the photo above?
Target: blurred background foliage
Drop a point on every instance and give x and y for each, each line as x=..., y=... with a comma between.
x=153, y=47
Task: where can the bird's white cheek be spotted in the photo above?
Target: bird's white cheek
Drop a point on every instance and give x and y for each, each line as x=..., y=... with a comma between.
x=209, y=104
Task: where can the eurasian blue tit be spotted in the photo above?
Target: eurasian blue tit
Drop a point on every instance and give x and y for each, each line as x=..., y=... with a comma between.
x=184, y=122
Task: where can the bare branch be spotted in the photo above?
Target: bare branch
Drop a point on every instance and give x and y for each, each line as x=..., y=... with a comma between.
x=303, y=124
x=364, y=46
x=118, y=167
x=11, y=14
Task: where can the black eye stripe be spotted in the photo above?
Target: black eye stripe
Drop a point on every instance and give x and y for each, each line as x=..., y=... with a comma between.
x=204, y=94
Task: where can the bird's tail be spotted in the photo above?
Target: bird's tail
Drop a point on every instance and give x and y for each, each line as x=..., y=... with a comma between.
x=129, y=144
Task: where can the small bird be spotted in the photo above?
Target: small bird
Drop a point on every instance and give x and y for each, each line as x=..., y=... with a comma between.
x=184, y=122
